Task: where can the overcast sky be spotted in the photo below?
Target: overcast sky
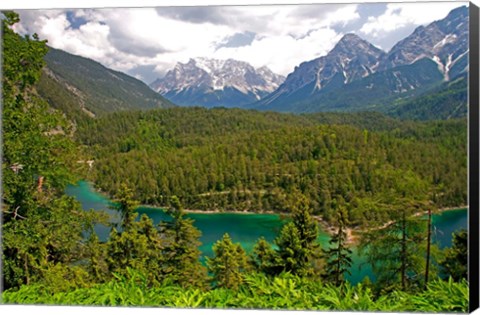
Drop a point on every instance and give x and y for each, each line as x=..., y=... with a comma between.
x=147, y=42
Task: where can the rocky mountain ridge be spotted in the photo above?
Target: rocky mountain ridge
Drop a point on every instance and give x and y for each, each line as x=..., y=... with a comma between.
x=212, y=82
x=354, y=68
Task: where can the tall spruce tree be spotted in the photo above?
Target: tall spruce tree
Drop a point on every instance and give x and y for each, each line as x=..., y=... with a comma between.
x=263, y=258
x=137, y=244
x=291, y=256
x=228, y=264
x=181, y=251
x=338, y=256
x=298, y=248
x=396, y=250
x=126, y=205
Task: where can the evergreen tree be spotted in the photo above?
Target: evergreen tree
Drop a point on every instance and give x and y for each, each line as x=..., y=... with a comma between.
x=455, y=263
x=181, y=251
x=306, y=225
x=137, y=245
x=298, y=250
x=95, y=253
x=126, y=205
x=42, y=228
x=396, y=251
x=338, y=256
x=291, y=255
x=228, y=264
x=263, y=258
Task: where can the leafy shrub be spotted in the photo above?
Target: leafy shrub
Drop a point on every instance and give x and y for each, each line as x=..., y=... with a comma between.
x=258, y=291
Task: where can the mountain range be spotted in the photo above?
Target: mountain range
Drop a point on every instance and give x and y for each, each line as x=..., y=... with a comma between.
x=355, y=75
x=427, y=69
x=211, y=83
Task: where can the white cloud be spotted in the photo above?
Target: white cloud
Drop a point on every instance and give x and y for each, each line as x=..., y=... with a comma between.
x=147, y=38
x=399, y=15
x=126, y=38
x=90, y=40
x=283, y=52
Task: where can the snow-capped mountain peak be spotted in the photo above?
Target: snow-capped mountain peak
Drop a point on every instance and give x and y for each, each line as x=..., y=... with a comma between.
x=195, y=82
x=352, y=58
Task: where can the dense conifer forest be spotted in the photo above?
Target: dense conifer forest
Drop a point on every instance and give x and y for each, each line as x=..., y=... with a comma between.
x=236, y=160
x=361, y=170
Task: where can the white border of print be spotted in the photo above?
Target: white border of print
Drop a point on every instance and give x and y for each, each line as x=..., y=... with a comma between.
x=50, y=4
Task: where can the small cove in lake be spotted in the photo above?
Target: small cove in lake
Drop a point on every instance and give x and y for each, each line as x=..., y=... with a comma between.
x=246, y=228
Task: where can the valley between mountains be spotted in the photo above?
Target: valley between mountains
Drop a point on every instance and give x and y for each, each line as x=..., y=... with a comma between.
x=359, y=139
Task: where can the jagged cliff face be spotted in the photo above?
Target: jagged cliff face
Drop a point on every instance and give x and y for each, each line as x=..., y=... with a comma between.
x=438, y=51
x=444, y=41
x=211, y=82
x=353, y=73
x=351, y=59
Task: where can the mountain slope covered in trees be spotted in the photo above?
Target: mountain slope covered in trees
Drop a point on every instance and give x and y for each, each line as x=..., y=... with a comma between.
x=356, y=76
x=363, y=170
x=222, y=159
x=97, y=89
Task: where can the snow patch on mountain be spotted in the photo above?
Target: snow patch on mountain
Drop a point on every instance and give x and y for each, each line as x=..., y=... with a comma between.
x=197, y=80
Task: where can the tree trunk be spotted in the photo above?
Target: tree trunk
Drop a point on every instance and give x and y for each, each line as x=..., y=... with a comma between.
x=404, y=251
x=25, y=266
x=429, y=235
x=40, y=183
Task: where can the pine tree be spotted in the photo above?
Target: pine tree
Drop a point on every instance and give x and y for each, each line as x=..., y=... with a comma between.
x=396, y=251
x=137, y=245
x=126, y=206
x=338, y=256
x=263, y=258
x=228, y=264
x=298, y=248
x=181, y=251
x=455, y=263
x=291, y=255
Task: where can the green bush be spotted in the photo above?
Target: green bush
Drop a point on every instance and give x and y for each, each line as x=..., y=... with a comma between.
x=258, y=292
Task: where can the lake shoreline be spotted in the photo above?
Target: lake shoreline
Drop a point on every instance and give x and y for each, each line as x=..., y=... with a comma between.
x=353, y=234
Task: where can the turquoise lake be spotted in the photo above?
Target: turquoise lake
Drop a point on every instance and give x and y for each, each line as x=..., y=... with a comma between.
x=247, y=228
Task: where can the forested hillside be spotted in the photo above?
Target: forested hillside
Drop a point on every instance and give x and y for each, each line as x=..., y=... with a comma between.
x=446, y=101
x=96, y=89
x=360, y=170
x=233, y=160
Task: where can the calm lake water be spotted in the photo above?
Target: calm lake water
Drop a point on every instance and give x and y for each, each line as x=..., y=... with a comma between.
x=247, y=228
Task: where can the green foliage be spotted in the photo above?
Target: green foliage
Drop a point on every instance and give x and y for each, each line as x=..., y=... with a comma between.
x=228, y=264
x=291, y=256
x=455, y=263
x=233, y=159
x=263, y=259
x=258, y=292
x=126, y=205
x=360, y=170
x=181, y=251
x=395, y=252
x=297, y=243
x=338, y=257
x=96, y=89
x=447, y=101
x=43, y=230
